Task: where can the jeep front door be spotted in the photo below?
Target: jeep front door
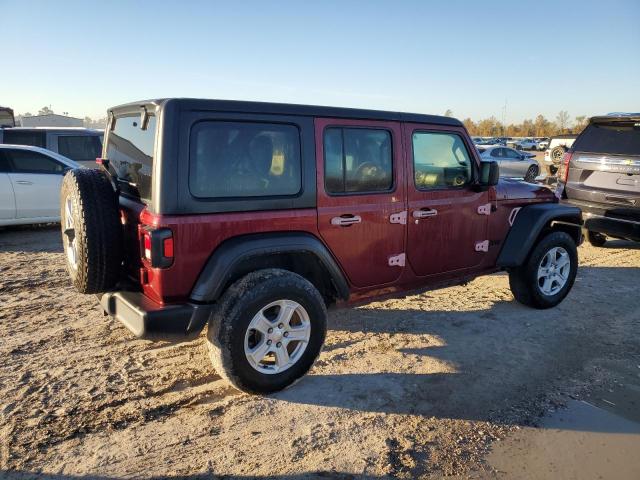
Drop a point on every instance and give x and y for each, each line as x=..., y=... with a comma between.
x=361, y=197
x=447, y=218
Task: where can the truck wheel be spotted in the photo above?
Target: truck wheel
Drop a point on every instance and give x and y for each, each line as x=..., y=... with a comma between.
x=91, y=230
x=557, y=153
x=548, y=274
x=596, y=239
x=267, y=330
x=532, y=173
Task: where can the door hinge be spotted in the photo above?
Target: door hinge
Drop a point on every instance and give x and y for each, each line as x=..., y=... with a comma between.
x=482, y=246
x=397, y=260
x=484, y=209
x=400, y=217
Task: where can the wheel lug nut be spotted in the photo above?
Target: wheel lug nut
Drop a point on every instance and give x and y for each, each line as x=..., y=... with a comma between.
x=286, y=334
x=269, y=342
x=279, y=344
x=270, y=330
x=280, y=325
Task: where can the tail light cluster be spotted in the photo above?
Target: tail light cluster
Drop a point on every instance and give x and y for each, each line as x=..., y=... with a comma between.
x=156, y=246
x=564, y=168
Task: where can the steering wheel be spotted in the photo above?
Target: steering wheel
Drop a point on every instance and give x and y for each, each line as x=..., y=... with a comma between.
x=368, y=169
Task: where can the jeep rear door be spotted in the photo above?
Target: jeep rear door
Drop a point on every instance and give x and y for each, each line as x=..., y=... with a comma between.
x=447, y=218
x=361, y=197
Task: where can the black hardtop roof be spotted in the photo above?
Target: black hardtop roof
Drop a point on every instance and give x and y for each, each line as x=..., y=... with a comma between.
x=616, y=117
x=291, y=109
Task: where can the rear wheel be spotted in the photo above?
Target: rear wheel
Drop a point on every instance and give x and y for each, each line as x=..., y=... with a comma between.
x=548, y=274
x=267, y=330
x=91, y=230
x=596, y=239
x=532, y=173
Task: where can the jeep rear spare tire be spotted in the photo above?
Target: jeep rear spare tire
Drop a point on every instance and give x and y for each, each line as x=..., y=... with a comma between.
x=91, y=230
x=267, y=330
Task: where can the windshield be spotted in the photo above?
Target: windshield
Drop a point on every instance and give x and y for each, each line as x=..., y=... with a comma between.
x=130, y=155
x=622, y=138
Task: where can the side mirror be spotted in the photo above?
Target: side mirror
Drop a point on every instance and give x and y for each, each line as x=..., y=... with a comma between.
x=489, y=175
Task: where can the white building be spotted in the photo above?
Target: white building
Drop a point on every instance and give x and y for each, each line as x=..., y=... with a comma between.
x=50, y=120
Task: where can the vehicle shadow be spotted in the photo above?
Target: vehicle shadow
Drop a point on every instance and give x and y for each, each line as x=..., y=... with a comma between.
x=629, y=245
x=31, y=238
x=24, y=475
x=489, y=364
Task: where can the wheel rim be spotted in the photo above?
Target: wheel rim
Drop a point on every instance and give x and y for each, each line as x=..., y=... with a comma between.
x=557, y=155
x=70, y=243
x=277, y=336
x=553, y=271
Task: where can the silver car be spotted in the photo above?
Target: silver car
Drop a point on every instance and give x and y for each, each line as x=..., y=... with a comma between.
x=513, y=164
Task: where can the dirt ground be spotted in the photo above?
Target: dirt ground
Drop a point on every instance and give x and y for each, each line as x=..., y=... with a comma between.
x=423, y=386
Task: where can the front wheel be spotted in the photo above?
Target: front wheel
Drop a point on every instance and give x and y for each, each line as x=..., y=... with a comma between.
x=548, y=274
x=267, y=330
x=532, y=173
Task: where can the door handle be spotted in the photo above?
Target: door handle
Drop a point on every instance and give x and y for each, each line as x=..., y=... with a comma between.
x=24, y=182
x=429, y=212
x=346, y=220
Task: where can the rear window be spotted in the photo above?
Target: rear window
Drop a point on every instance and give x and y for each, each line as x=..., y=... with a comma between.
x=621, y=138
x=25, y=137
x=130, y=154
x=81, y=148
x=244, y=159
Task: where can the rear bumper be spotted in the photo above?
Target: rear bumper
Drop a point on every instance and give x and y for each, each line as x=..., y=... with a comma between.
x=150, y=320
x=600, y=218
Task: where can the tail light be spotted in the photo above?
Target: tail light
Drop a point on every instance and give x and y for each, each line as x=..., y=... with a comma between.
x=564, y=174
x=156, y=246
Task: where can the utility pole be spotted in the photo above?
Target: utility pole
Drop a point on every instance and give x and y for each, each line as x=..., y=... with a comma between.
x=504, y=116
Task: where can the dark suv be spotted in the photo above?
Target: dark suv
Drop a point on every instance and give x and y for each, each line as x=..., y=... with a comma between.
x=601, y=175
x=253, y=218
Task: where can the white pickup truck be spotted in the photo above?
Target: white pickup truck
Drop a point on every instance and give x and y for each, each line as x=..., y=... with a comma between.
x=554, y=153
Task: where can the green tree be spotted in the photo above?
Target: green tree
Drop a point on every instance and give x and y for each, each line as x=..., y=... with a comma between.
x=45, y=111
x=471, y=126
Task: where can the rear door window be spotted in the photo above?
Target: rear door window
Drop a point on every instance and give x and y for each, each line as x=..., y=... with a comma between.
x=621, y=138
x=81, y=148
x=5, y=164
x=357, y=160
x=25, y=161
x=244, y=159
x=130, y=154
x=34, y=138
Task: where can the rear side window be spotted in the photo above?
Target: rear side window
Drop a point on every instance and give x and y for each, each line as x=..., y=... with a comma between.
x=81, y=148
x=5, y=165
x=613, y=137
x=25, y=161
x=244, y=159
x=440, y=160
x=130, y=154
x=28, y=137
x=357, y=160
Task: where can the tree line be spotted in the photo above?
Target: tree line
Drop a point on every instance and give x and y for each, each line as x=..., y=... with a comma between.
x=538, y=127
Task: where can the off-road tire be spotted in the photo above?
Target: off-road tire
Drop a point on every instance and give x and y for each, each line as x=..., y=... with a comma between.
x=523, y=280
x=532, y=173
x=231, y=318
x=557, y=153
x=97, y=230
x=596, y=239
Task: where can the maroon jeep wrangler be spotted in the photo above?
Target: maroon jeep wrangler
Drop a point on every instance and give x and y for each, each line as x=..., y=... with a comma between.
x=253, y=218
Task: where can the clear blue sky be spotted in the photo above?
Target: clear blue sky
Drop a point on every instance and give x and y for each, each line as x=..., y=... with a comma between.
x=543, y=56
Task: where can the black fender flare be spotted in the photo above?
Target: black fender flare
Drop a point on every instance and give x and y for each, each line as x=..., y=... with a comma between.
x=528, y=224
x=227, y=260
